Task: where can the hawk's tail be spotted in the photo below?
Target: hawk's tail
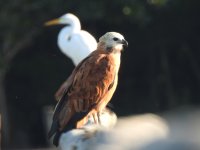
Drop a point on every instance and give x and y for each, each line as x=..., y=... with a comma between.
x=53, y=130
x=71, y=125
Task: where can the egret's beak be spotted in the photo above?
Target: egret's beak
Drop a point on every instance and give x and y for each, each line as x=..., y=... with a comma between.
x=52, y=22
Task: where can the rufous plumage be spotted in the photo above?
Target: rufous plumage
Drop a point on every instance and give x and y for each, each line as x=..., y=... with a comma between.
x=90, y=86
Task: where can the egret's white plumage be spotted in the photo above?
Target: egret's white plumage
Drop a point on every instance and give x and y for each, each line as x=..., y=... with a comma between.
x=72, y=41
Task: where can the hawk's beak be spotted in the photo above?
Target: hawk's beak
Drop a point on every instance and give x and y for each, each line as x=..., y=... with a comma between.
x=125, y=43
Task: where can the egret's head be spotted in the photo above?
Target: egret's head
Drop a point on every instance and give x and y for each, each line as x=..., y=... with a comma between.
x=66, y=19
x=113, y=41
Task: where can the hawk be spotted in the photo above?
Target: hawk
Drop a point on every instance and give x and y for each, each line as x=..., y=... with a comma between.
x=90, y=86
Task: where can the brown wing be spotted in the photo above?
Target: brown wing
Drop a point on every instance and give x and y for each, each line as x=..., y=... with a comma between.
x=91, y=80
x=66, y=84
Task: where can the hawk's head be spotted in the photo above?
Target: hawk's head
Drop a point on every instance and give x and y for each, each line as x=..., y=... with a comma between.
x=113, y=41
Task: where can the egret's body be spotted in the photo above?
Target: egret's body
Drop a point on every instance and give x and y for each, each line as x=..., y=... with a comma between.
x=72, y=41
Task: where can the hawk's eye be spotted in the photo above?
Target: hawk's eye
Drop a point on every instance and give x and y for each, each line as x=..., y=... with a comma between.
x=115, y=39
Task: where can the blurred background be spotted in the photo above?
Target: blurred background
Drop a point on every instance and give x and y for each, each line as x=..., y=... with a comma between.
x=160, y=69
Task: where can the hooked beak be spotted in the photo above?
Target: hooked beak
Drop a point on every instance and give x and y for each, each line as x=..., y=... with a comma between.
x=125, y=43
x=54, y=22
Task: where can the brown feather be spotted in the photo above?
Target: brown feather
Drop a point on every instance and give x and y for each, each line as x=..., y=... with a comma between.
x=91, y=84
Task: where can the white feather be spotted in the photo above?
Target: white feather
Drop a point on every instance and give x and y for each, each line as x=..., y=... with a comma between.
x=76, y=46
x=74, y=42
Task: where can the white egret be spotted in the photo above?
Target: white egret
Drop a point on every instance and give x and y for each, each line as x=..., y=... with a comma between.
x=72, y=41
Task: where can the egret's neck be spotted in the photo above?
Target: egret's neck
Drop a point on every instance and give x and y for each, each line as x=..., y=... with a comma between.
x=67, y=31
x=64, y=33
x=76, y=26
x=63, y=37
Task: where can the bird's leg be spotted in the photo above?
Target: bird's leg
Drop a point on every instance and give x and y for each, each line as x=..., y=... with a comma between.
x=98, y=116
x=94, y=115
x=81, y=123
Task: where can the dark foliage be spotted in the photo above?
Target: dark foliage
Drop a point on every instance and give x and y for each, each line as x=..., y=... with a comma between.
x=159, y=71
